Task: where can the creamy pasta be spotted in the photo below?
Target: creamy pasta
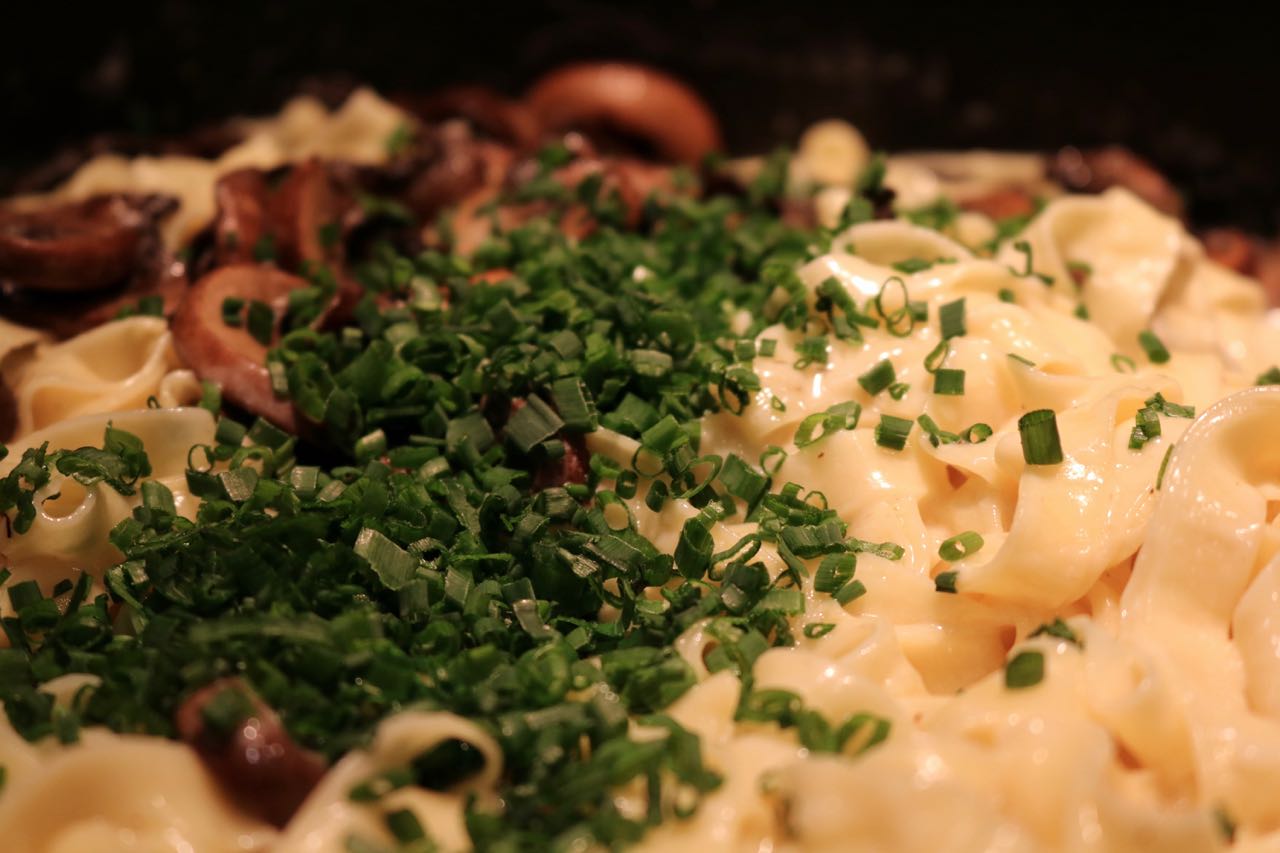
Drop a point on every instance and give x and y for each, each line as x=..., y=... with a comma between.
x=1075, y=653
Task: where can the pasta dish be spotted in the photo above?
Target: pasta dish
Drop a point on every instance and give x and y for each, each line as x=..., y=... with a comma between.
x=459, y=472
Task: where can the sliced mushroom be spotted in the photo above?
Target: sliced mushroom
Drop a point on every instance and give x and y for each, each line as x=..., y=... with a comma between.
x=1115, y=166
x=460, y=165
x=492, y=114
x=248, y=752
x=243, y=217
x=312, y=210
x=229, y=356
x=1232, y=248
x=1002, y=204
x=74, y=247
x=301, y=217
x=628, y=100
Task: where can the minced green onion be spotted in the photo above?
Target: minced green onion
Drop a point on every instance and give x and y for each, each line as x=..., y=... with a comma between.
x=1025, y=669
x=1153, y=347
x=960, y=546
x=533, y=423
x=892, y=432
x=815, y=427
x=878, y=378
x=1041, y=444
x=1271, y=376
x=232, y=311
x=1145, y=428
x=1164, y=463
x=948, y=381
x=977, y=433
x=946, y=581
x=937, y=356
x=1123, y=364
x=901, y=321
x=260, y=321
x=952, y=320
x=1060, y=629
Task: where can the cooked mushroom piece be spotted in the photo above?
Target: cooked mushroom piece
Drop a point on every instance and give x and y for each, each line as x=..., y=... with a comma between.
x=74, y=247
x=229, y=356
x=488, y=112
x=459, y=165
x=628, y=100
x=245, y=746
x=1115, y=166
x=243, y=218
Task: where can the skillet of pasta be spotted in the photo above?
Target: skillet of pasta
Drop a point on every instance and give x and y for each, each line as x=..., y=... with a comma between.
x=462, y=473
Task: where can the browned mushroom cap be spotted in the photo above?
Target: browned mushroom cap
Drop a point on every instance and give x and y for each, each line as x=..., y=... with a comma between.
x=314, y=206
x=1115, y=166
x=79, y=246
x=1002, y=203
x=248, y=750
x=243, y=217
x=632, y=100
x=460, y=165
x=494, y=115
x=1232, y=248
x=1267, y=271
x=303, y=216
x=227, y=355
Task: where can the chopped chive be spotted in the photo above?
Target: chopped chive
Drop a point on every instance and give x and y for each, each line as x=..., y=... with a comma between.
x=404, y=825
x=878, y=378
x=892, y=432
x=260, y=320
x=1145, y=428
x=946, y=581
x=1041, y=444
x=898, y=390
x=1025, y=669
x=1006, y=295
x=1061, y=630
x=1123, y=364
x=1153, y=346
x=816, y=630
x=1021, y=359
x=815, y=427
x=573, y=404
x=772, y=458
x=952, y=320
x=949, y=382
x=937, y=356
x=232, y=310
x=229, y=432
x=960, y=546
x=901, y=321
x=851, y=591
x=1271, y=376
x=912, y=265
x=1164, y=463
x=532, y=424
x=937, y=435
x=977, y=433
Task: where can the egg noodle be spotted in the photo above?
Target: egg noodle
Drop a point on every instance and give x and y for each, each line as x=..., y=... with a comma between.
x=1053, y=631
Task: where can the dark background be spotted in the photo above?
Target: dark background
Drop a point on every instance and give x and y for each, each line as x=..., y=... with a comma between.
x=1194, y=90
